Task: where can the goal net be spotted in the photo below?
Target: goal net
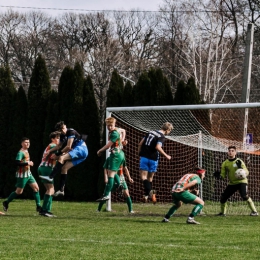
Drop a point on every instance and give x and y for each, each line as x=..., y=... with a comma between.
x=200, y=137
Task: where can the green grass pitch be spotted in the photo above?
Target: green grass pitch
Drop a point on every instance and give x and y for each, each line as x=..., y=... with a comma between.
x=79, y=232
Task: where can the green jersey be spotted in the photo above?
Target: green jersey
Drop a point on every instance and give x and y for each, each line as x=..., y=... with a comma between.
x=46, y=160
x=185, y=180
x=228, y=169
x=23, y=171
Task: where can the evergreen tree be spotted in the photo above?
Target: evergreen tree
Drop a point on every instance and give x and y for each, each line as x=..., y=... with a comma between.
x=18, y=126
x=180, y=94
x=192, y=95
x=76, y=105
x=75, y=188
x=160, y=88
x=52, y=116
x=142, y=91
x=115, y=91
x=7, y=97
x=168, y=98
x=38, y=96
x=128, y=99
x=91, y=128
x=65, y=92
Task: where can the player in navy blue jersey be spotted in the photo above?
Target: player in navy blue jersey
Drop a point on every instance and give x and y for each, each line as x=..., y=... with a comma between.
x=149, y=149
x=72, y=150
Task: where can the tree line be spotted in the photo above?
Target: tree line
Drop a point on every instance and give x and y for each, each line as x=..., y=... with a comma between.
x=200, y=39
x=34, y=115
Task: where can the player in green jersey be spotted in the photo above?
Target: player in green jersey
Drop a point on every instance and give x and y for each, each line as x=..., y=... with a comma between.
x=184, y=191
x=228, y=169
x=120, y=184
x=116, y=155
x=45, y=168
x=24, y=176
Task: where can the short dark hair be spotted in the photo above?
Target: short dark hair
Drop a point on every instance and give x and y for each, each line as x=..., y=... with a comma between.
x=59, y=125
x=54, y=134
x=24, y=138
x=199, y=170
x=232, y=147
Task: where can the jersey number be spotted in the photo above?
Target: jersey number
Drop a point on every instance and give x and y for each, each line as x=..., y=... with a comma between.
x=149, y=139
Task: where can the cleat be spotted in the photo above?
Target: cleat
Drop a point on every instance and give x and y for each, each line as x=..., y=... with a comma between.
x=144, y=199
x=38, y=208
x=5, y=205
x=105, y=198
x=47, y=178
x=132, y=212
x=192, y=221
x=2, y=213
x=152, y=196
x=46, y=214
x=254, y=213
x=165, y=220
x=221, y=214
x=51, y=214
x=58, y=193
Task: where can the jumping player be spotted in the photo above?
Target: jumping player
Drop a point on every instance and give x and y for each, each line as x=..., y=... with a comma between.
x=148, y=149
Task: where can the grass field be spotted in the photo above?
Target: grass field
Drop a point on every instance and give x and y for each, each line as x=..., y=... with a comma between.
x=79, y=232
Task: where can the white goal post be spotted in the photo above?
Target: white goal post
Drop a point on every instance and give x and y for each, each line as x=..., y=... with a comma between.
x=200, y=137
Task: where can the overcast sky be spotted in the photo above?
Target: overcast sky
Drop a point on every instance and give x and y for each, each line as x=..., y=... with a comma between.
x=147, y=5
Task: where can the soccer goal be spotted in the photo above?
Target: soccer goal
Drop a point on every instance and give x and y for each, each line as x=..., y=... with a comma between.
x=200, y=137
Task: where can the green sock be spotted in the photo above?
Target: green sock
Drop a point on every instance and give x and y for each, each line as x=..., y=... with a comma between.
x=251, y=205
x=12, y=196
x=100, y=205
x=196, y=210
x=49, y=205
x=46, y=199
x=171, y=211
x=109, y=186
x=37, y=198
x=223, y=207
x=129, y=203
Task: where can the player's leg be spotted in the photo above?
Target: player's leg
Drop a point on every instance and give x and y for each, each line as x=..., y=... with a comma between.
x=73, y=158
x=115, y=161
x=244, y=195
x=144, y=167
x=63, y=178
x=199, y=204
x=47, y=200
x=126, y=194
x=152, y=193
x=59, y=165
x=228, y=192
x=34, y=186
x=20, y=184
x=176, y=204
x=152, y=170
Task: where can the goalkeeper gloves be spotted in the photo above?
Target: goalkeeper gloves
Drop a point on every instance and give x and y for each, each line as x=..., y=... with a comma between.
x=217, y=174
x=239, y=164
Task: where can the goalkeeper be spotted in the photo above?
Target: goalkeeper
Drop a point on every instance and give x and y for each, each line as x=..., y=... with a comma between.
x=228, y=169
x=185, y=191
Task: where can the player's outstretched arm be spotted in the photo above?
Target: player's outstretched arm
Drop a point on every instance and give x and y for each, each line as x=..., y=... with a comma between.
x=104, y=148
x=161, y=151
x=127, y=173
